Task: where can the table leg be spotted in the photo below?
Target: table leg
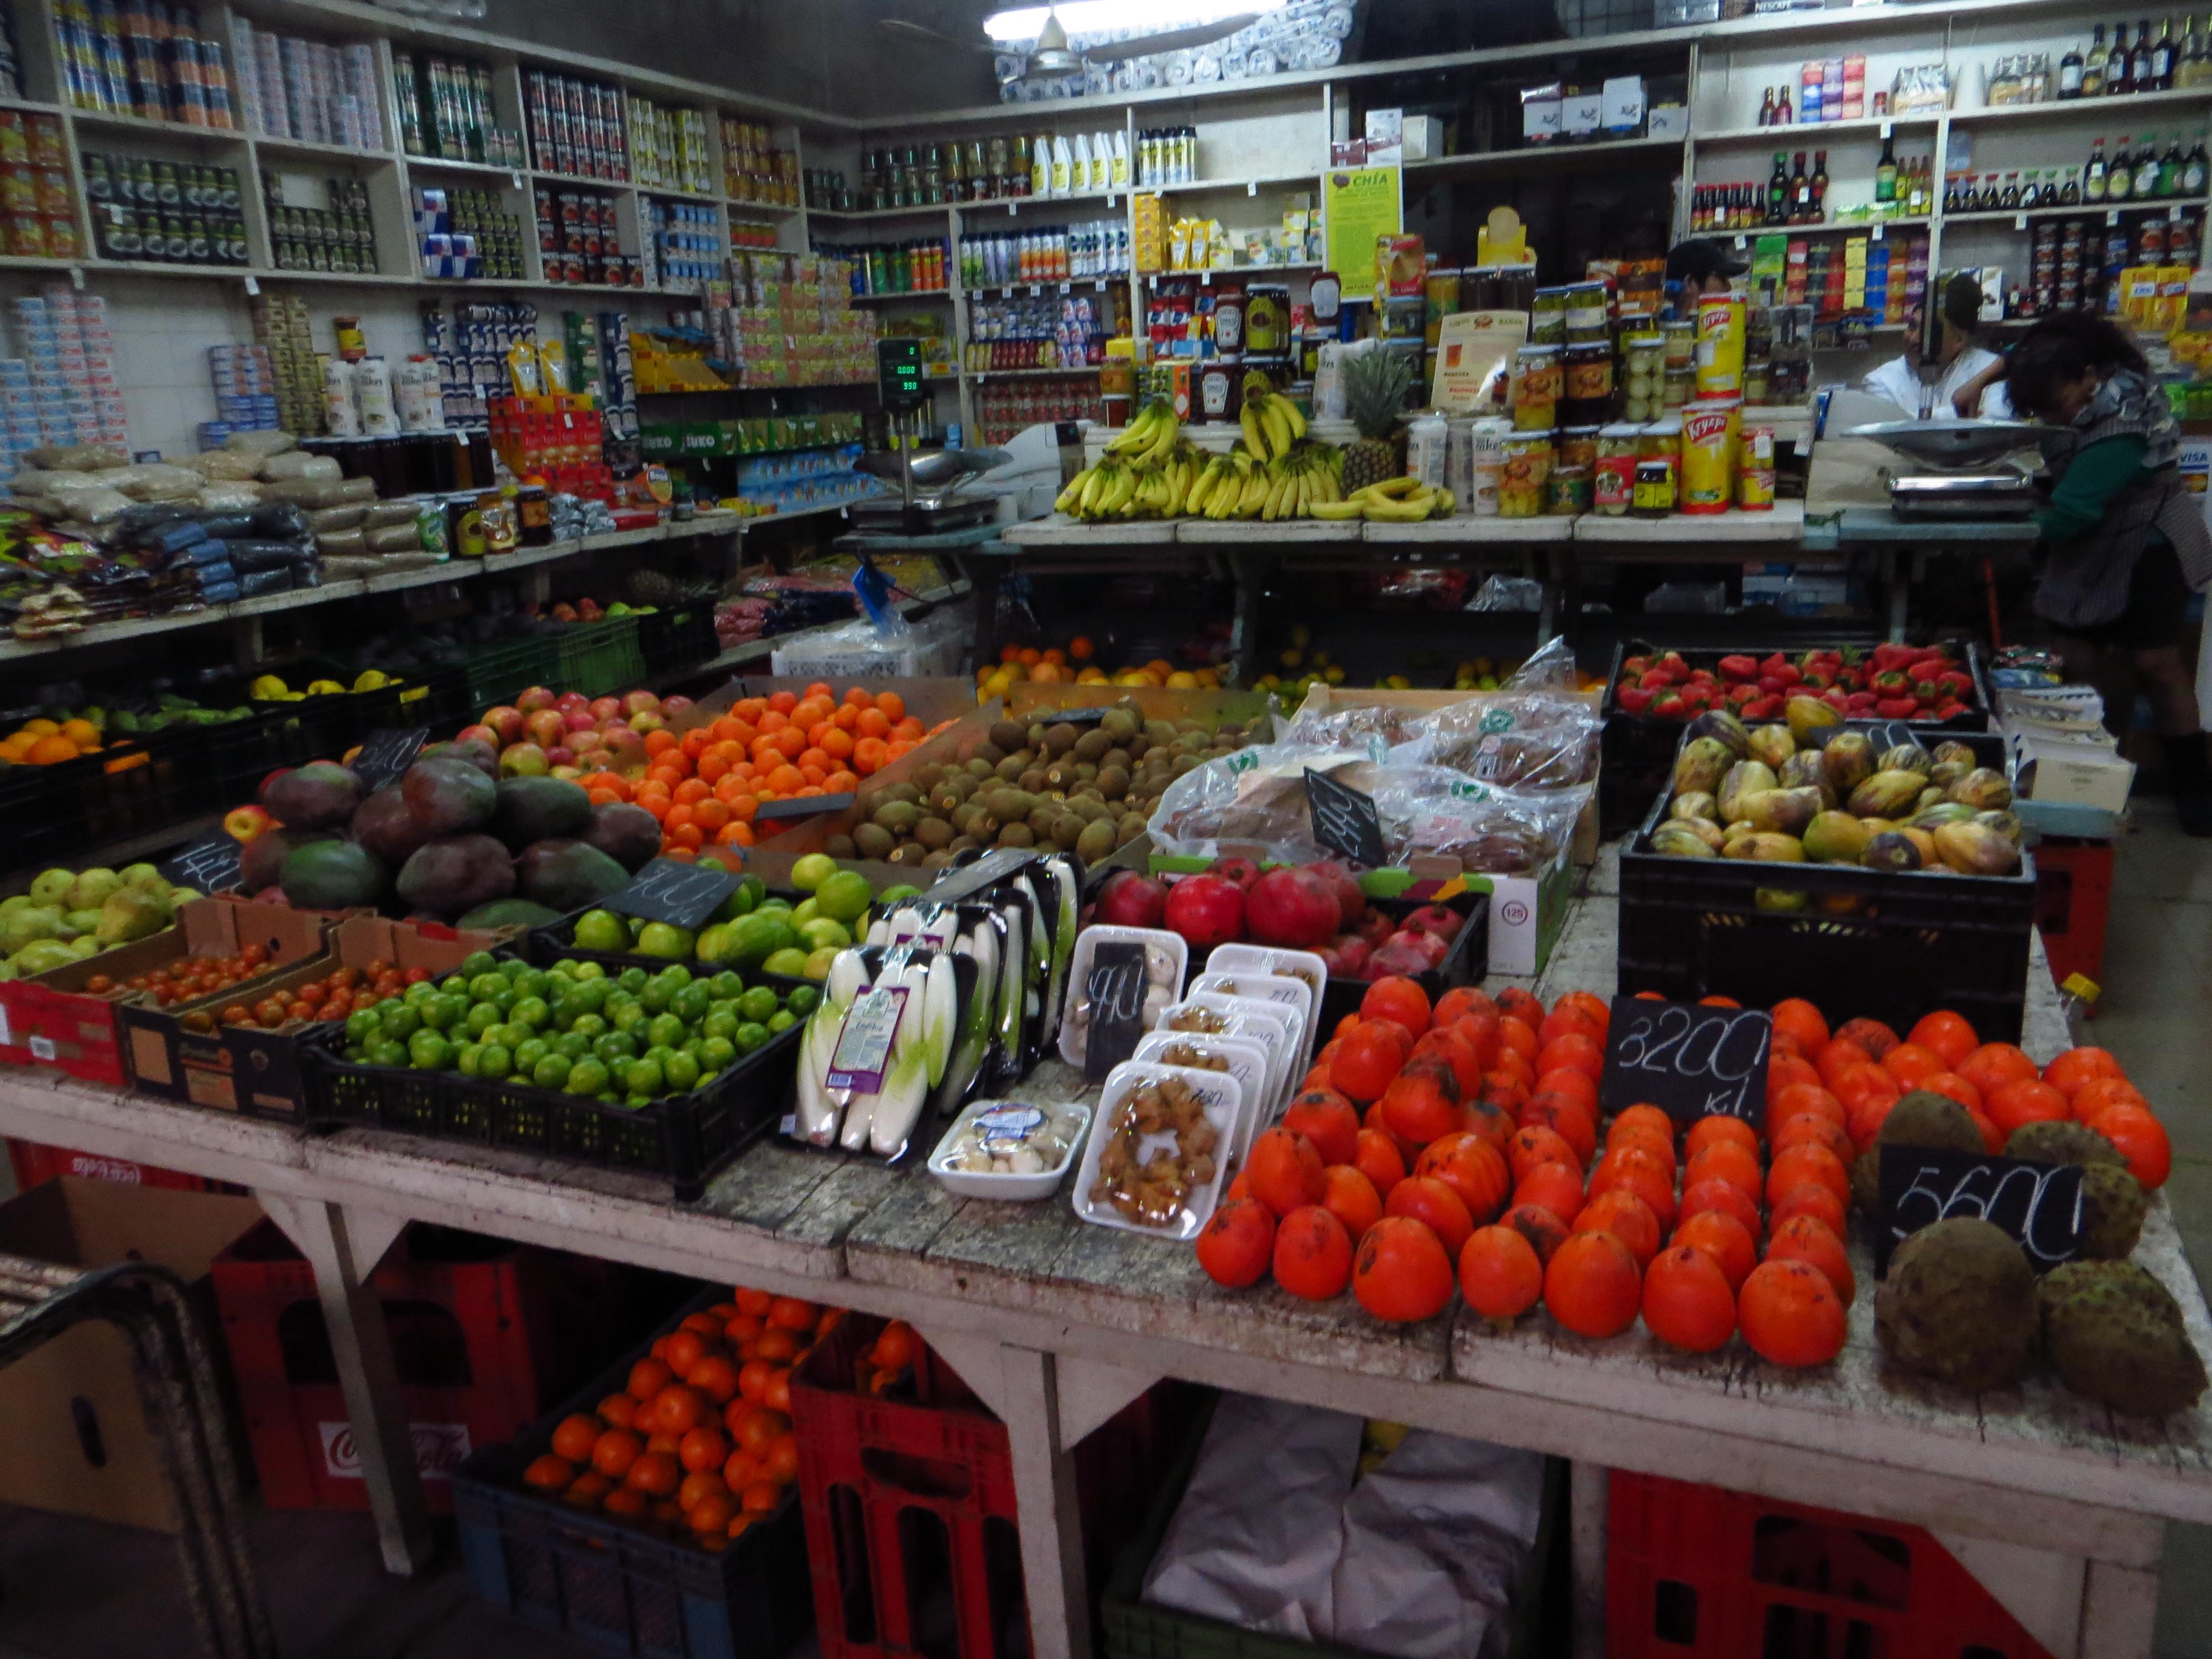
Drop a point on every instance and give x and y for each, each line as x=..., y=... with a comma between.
x=1051, y=1522
x=344, y=1244
x=1894, y=595
x=983, y=591
x=1244, y=630
x=1563, y=595
x=1588, y=1486
x=2119, y=1610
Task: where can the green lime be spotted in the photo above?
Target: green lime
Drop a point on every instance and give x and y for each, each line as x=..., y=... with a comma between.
x=757, y=1004
x=442, y=1013
x=897, y=895
x=719, y=1024
x=589, y=1024
x=682, y=1072
x=398, y=1020
x=550, y=1073
x=633, y=1102
x=633, y=979
x=453, y=985
x=527, y=1054
x=804, y=911
x=479, y=962
x=625, y=1016
x=506, y=1000
x=820, y=961
x=575, y=1044
x=532, y=1011
x=825, y=934
x=470, y=1057
x=601, y=930
x=387, y=1052
x=418, y=993
x=660, y=1054
x=791, y=964
x=592, y=994
x=716, y=1053
x=844, y=897
x=656, y=996
x=811, y=872
x=749, y=1036
x=360, y=1026
x=510, y=1035
x=586, y=972
x=690, y=1004
x=564, y=969
x=482, y=1017
x=643, y=1079
x=725, y=985
x=495, y=1060
x=782, y=1022
x=803, y=1000
x=484, y=987
x=529, y=982
x=666, y=1030
x=678, y=976
x=615, y=1046
x=429, y=1051
x=587, y=1076
x=661, y=939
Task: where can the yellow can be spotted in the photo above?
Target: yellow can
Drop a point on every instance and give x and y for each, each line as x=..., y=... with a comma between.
x=1754, y=479
x=1719, y=346
x=1709, y=435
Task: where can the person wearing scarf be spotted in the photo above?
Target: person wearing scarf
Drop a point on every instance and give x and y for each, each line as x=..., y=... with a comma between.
x=2125, y=539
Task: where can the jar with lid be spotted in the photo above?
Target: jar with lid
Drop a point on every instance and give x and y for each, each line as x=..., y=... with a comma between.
x=1681, y=334
x=1680, y=386
x=1588, y=314
x=1517, y=287
x=1587, y=380
x=1266, y=318
x=1568, y=491
x=1539, y=381
x=533, y=511
x=1614, y=486
x=1577, y=447
x=496, y=512
x=1661, y=441
x=1654, y=489
x=1524, y=464
x=1644, y=382
x=1547, y=317
x=1755, y=382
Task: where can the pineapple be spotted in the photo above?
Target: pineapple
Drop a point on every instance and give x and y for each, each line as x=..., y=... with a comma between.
x=1375, y=385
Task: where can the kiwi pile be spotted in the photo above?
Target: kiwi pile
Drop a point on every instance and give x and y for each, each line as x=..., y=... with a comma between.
x=1051, y=785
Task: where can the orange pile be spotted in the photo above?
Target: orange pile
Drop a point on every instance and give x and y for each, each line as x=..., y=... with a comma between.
x=48, y=743
x=705, y=786
x=700, y=1445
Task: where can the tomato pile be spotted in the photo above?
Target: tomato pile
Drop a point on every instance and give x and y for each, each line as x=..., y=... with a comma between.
x=190, y=977
x=1459, y=1146
x=1890, y=683
x=699, y=1445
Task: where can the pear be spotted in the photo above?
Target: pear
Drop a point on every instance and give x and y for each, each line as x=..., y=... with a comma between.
x=133, y=914
x=91, y=888
x=51, y=887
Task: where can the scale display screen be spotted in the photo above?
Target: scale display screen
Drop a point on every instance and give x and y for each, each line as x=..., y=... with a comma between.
x=899, y=379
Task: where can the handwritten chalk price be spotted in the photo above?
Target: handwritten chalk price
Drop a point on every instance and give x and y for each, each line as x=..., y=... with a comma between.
x=385, y=754
x=2037, y=1205
x=208, y=866
x=681, y=894
x=1344, y=820
x=1689, y=1060
x=1116, y=989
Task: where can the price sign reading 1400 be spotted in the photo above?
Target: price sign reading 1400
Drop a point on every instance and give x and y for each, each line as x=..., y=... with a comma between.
x=1689, y=1060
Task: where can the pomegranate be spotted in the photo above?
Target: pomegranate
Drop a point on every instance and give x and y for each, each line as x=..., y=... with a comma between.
x=1354, y=902
x=1437, y=919
x=1236, y=868
x=1399, y=954
x=1292, y=905
x=1206, y=911
x=1374, y=926
x=1432, y=949
x=1131, y=900
x=1346, y=957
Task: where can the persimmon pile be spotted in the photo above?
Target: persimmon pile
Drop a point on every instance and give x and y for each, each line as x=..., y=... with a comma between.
x=698, y=1445
x=1461, y=1146
x=705, y=786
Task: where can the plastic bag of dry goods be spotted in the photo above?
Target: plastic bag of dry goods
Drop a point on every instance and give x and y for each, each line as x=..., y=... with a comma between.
x=298, y=463
x=263, y=444
x=77, y=457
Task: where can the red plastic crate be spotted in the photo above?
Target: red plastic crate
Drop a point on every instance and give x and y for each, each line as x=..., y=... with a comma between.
x=473, y=1325
x=74, y=1034
x=1699, y=1572
x=2073, y=903
x=909, y=1503
x=34, y=1164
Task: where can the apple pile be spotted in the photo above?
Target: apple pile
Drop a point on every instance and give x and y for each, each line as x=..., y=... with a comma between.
x=1302, y=907
x=1890, y=683
x=543, y=734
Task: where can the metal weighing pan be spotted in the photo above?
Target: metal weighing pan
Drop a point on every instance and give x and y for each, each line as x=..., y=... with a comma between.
x=1957, y=444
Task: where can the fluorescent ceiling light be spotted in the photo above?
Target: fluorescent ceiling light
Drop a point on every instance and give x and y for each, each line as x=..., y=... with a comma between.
x=1099, y=16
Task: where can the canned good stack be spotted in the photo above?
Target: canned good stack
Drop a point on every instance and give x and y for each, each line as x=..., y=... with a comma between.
x=35, y=191
x=307, y=89
x=1064, y=331
x=575, y=126
x=446, y=112
x=281, y=328
x=916, y=267
x=755, y=170
x=62, y=389
x=794, y=322
x=470, y=349
x=680, y=251
x=1048, y=254
x=749, y=235
x=244, y=382
x=1004, y=407
x=668, y=148
x=141, y=58
x=578, y=241
x=339, y=237
x=165, y=212
x=465, y=234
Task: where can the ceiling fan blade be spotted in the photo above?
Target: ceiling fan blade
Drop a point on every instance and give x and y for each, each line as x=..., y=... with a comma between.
x=900, y=25
x=1173, y=40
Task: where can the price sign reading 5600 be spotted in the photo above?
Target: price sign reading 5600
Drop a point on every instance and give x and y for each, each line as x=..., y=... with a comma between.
x=1689, y=1060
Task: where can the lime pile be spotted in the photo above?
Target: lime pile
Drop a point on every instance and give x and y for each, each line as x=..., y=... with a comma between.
x=754, y=931
x=628, y=1039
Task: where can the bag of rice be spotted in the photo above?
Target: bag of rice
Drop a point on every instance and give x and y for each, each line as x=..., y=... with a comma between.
x=326, y=520
x=78, y=457
x=394, y=539
x=295, y=463
x=260, y=445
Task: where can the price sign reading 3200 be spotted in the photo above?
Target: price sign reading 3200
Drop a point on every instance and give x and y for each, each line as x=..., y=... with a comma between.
x=1689, y=1060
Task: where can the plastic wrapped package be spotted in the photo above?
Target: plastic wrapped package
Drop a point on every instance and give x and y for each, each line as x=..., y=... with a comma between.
x=295, y=464
x=343, y=544
x=226, y=496
x=1549, y=667
x=77, y=457
x=1531, y=740
x=279, y=521
x=94, y=505
x=328, y=520
x=311, y=493
x=254, y=556
x=394, y=539
x=153, y=481
x=382, y=515
x=259, y=444
x=277, y=579
x=1257, y=798
x=226, y=464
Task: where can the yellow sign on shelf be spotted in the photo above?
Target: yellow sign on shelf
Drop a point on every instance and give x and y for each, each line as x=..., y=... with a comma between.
x=1361, y=204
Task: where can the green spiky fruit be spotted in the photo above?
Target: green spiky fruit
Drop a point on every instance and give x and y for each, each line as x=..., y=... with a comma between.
x=1375, y=387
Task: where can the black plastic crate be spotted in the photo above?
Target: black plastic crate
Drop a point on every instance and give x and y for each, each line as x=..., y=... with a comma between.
x=1466, y=962
x=241, y=752
x=614, y=1585
x=1637, y=751
x=132, y=786
x=438, y=699
x=555, y=942
x=1884, y=946
x=678, y=636
x=684, y=1137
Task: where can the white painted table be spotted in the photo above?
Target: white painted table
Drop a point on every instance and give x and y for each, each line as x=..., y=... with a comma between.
x=2059, y=1505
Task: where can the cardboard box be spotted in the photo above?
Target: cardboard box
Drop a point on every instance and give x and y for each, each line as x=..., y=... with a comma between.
x=78, y=1442
x=2047, y=767
x=52, y=1020
x=257, y=1072
x=1526, y=913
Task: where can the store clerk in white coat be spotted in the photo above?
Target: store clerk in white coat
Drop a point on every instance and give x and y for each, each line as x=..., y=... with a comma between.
x=1969, y=382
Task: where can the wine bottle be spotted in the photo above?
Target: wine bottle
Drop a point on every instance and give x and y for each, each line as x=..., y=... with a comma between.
x=2146, y=169
x=2194, y=170
x=1778, y=190
x=2120, y=177
x=2092, y=176
x=2169, y=169
x=2069, y=73
x=1801, y=192
x=2162, y=57
x=1885, y=171
x=2092, y=66
x=2119, y=67
x=1817, y=206
x=2069, y=192
x=2008, y=198
x=2145, y=63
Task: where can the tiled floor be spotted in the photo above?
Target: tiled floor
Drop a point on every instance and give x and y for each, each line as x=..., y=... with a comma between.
x=73, y=1588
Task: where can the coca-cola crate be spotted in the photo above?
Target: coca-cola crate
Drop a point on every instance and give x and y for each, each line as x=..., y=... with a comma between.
x=33, y=1163
x=481, y=1333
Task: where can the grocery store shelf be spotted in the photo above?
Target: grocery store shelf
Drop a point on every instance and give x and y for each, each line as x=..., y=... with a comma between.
x=1036, y=290
x=895, y=298
x=320, y=151
x=677, y=193
x=1252, y=185
x=1011, y=205
x=485, y=169
x=751, y=651
x=1793, y=130
x=742, y=206
x=2109, y=212
x=497, y=564
x=1031, y=374
x=875, y=213
x=1785, y=523
x=2103, y=109
x=139, y=123
x=1535, y=157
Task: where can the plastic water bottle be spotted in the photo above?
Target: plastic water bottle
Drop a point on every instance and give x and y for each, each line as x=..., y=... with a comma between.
x=2078, y=1000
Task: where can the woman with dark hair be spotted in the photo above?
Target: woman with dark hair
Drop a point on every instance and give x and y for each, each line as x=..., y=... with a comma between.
x=2126, y=541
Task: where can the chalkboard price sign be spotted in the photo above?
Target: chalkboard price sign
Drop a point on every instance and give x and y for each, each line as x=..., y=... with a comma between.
x=208, y=866
x=1116, y=990
x=2038, y=1205
x=1345, y=821
x=387, y=753
x=802, y=806
x=682, y=895
x=1687, y=1058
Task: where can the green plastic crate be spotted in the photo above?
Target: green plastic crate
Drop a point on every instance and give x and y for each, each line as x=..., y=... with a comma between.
x=598, y=658
x=1137, y=1629
x=504, y=672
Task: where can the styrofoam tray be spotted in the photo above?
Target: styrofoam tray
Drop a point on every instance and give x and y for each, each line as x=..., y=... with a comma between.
x=1223, y=1101
x=1267, y=1023
x=1015, y=1189
x=1079, y=972
x=1247, y=1064
x=1284, y=990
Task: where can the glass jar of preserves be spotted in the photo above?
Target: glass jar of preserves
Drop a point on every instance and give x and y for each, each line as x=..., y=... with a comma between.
x=1644, y=378
x=1614, y=486
x=1588, y=380
x=1577, y=447
x=1568, y=491
x=1654, y=489
x=1588, y=314
x=1662, y=439
x=1547, y=317
x=1525, y=463
x=1680, y=335
x=1678, y=387
x=1539, y=381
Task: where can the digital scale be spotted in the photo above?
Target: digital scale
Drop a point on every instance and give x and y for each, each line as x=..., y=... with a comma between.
x=928, y=480
x=1963, y=470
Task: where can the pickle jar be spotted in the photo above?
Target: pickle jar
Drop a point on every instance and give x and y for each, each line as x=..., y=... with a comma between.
x=1547, y=317
x=1524, y=465
x=1538, y=381
x=1577, y=447
x=1644, y=377
x=1568, y=491
x=1588, y=379
x=1588, y=314
x=1654, y=489
x=1614, y=483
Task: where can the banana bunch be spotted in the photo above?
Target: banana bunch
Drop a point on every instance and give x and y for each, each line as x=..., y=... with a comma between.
x=1151, y=435
x=1301, y=483
x=1272, y=422
x=1394, y=500
x=1134, y=487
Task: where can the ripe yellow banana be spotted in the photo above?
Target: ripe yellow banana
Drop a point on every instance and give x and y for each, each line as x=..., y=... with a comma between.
x=1066, y=500
x=1391, y=489
x=1278, y=426
x=1389, y=512
x=1295, y=415
x=1336, y=510
x=1254, y=440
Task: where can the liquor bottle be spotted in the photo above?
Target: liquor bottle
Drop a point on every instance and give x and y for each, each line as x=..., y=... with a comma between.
x=2120, y=177
x=1988, y=200
x=1766, y=108
x=2190, y=71
x=1783, y=115
x=2069, y=73
x=2030, y=190
x=2195, y=169
x=1923, y=188
x=1954, y=200
x=1778, y=190
x=2070, y=193
x=1885, y=171
x=2162, y=56
x=1818, y=204
x=2092, y=176
x=1801, y=192
x=2008, y=199
x=2145, y=63
x=2168, y=181
x=2146, y=169
x=2119, y=67
x=2094, y=66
